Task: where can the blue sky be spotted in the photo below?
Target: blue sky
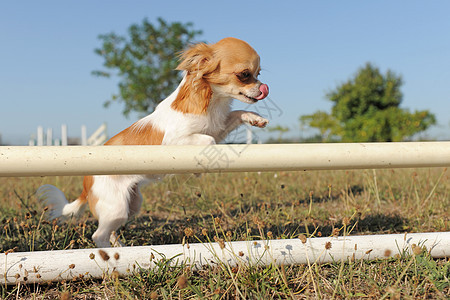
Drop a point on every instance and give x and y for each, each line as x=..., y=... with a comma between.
x=307, y=48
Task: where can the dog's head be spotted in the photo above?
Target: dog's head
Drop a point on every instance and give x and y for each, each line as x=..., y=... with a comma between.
x=228, y=68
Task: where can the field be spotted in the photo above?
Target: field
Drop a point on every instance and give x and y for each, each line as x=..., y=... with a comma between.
x=242, y=206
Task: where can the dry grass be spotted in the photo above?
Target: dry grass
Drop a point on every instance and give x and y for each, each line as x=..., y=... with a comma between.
x=244, y=206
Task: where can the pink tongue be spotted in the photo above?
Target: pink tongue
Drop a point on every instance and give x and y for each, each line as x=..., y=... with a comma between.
x=264, y=89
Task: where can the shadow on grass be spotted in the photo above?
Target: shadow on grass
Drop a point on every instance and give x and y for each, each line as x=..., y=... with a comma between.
x=150, y=230
x=146, y=230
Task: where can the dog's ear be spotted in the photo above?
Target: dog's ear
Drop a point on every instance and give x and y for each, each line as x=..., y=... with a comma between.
x=198, y=59
x=195, y=94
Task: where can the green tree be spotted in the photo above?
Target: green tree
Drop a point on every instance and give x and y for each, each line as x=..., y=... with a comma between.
x=280, y=129
x=145, y=62
x=326, y=124
x=366, y=109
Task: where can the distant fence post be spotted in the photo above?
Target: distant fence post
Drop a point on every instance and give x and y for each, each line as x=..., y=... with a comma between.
x=249, y=135
x=99, y=137
x=40, y=136
x=49, y=137
x=83, y=135
x=63, y=135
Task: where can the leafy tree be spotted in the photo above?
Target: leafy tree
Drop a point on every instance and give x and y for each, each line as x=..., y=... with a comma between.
x=366, y=109
x=145, y=61
x=280, y=129
x=326, y=124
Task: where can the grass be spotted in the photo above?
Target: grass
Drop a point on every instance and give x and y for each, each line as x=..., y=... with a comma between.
x=242, y=206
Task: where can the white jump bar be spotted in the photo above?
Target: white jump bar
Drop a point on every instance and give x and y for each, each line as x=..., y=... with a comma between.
x=98, y=160
x=30, y=267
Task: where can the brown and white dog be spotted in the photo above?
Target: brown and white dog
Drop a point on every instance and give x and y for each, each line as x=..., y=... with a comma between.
x=198, y=112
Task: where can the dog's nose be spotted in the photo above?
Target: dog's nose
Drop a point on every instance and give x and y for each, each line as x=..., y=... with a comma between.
x=264, y=89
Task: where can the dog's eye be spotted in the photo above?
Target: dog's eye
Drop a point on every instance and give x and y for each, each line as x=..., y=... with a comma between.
x=244, y=75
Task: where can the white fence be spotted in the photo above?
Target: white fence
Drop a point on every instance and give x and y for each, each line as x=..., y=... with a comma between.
x=99, y=137
x=77, y=160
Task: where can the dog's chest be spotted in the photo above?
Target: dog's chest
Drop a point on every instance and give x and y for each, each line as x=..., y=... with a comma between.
x=177, y=125
x=212, y=123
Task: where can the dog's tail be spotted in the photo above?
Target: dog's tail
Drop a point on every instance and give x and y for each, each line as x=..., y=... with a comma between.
x=57, y=203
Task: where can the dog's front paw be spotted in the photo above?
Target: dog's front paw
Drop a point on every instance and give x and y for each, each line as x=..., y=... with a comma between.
x=254, y=119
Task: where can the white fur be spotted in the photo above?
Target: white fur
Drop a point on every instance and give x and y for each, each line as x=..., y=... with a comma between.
x=58, y=206
x=115, y=212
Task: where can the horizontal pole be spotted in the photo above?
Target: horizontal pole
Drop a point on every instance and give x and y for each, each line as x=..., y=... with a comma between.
x=59, y=265
x=100, y=160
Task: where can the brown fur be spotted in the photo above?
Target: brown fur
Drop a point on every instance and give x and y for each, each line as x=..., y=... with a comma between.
x=193, y=97
x=137, y=135
x=195, y=94
x=234, y=56
x=217, y=64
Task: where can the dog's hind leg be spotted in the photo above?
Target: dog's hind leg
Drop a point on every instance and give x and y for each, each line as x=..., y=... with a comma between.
x=111, y=197
x=106, y=235
x=134, y=205
x=135, y=201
